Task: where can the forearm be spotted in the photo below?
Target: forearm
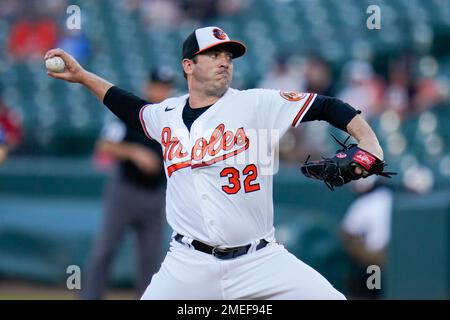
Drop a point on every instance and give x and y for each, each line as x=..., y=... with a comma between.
x=363, y=133
x=3, y=153
x=345, y=117
x=123, y=104
x=145, y=159
x=331, y=110
x=121, y=150
x=97, y=85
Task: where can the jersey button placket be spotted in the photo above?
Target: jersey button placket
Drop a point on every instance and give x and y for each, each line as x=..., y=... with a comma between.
x=203, y=198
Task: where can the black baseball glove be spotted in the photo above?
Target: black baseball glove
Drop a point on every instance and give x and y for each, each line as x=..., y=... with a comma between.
x=340, y=169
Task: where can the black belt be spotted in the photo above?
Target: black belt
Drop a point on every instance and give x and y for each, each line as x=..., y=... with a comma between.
x=220, y=253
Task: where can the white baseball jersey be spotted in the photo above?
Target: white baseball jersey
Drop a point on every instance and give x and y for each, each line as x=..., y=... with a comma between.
x=217, y=191
x=370, y=217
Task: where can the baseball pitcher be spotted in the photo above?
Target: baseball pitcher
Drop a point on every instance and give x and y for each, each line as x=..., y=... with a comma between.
x=219, y=199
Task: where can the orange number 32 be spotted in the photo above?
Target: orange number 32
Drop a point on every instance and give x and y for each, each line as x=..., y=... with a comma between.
x=234, y=184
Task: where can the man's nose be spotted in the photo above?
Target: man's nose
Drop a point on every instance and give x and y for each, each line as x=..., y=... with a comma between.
x=224, y=60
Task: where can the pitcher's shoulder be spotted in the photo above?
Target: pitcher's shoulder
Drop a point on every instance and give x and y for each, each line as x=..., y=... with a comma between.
x=169, y=104
x=253, y=92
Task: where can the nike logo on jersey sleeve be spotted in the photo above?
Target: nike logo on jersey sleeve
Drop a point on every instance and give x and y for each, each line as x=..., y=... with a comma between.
x=169, y=109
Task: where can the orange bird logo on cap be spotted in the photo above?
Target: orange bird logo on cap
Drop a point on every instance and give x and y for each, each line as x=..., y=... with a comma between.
x=219, y=34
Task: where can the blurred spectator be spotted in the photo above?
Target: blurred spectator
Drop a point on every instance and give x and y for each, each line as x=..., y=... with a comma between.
x=362, y=89
x=10, y=130
x=33, y=34
x=366, y=232
x=230, y=7
x=160, y=84
x=201, y=11
x=170, y=13
x=54, y=8
x=315, y=77
x=418, y=179
x=3, y=146
x=399, y=89
x=11, y=126
x=9, y=8
x=161, y=13
x=429, y=91
x=283, y=75
x=409, y=94
x=318, y=76
x=134, y=196
x=132, y=5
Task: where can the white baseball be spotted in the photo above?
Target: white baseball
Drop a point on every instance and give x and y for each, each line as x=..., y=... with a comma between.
x=55, y=64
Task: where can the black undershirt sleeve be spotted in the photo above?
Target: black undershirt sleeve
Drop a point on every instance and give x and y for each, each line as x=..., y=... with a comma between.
x=332, y=110
x=126, y=106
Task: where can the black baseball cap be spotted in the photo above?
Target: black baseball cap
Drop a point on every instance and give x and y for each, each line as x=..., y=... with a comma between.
x=163, y=74
x=206, y=38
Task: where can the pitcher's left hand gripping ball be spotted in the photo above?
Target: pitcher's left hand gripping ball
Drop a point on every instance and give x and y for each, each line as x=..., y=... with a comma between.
x=340, y=169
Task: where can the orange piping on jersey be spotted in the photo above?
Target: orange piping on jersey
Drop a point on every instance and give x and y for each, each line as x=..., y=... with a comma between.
x=224, y=140
x=302, y=110
x=141, y=119
x=177, y=166
x=181, y=165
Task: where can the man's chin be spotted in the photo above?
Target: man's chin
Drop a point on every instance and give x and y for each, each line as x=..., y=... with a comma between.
x=223, y=89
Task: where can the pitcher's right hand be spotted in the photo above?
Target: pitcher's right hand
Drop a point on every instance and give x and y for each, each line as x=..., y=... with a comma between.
x=73, y=71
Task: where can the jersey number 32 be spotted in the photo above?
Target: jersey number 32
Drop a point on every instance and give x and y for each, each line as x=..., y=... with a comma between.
x=234, y=184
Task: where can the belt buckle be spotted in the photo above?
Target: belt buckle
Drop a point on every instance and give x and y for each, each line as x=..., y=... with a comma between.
x=216, y=253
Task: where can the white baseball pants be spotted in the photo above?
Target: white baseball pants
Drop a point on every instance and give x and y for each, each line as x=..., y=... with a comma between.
x=269, y=273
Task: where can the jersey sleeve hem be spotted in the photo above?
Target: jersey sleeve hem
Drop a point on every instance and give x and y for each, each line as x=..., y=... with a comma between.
x=304, y=109
x=141, y=118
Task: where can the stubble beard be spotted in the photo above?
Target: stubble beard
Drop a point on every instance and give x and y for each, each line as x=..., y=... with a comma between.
x=219, y=89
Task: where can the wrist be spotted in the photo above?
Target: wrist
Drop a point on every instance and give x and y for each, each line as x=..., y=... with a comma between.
x=85, y=76
x=374, y=149
x=130, y=152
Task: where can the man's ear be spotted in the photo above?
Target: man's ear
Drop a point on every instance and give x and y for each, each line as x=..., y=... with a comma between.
x=187, y=66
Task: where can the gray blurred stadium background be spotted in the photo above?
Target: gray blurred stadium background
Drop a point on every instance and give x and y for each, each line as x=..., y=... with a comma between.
x=50, y=186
